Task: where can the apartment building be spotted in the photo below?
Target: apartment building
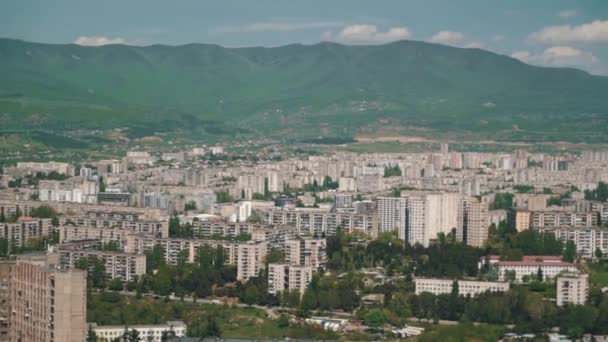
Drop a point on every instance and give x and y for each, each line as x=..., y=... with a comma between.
x=48, y=303
x=283, y=276
x=75, y=189
x=175, y=249
x=318, y=221
x=118, y=265
x=306, y=252
x=71, y=233
x=206, y=228
x=466, y=288
x=26, y=228
x=586, y=239
x=572, y=288
x=558, y=218
x=6, y=270
x=147, y=332
x=251, y=258
x=532, y=202
x=550, y=266
x=474, y=222
x=391, y=215
x=46, y=168
x=519, y=219
x=158, y=228
x=428, y=214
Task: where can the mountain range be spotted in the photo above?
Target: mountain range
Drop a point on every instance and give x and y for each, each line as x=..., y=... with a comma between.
x=325, y=89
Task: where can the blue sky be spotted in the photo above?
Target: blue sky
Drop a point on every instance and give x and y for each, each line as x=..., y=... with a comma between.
x=543, y=32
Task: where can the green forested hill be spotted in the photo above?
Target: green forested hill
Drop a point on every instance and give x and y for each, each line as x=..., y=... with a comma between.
x=322, y=89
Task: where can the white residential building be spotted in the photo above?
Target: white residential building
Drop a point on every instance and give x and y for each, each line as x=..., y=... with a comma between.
x=572, y=288
x=151, y=332
x=465, y=287
x=549, y=266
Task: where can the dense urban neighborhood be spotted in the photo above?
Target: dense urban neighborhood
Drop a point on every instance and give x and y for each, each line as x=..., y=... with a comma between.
x=208, y=241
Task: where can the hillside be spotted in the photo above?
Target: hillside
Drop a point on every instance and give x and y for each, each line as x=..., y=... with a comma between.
x=304, y=91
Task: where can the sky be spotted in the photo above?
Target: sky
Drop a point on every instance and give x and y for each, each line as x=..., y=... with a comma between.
x=542, y=32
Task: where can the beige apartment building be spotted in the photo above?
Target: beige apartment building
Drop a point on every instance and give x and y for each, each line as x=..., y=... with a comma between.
x=475, y=222
x=283, y=277
x=306, y=252
x=26, y=228
x=118, y=265
x=6, y=270
x=48, y=303
x=251, y=258
x=572, y=288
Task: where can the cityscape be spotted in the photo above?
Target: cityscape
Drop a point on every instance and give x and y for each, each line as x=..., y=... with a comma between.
x=344, y=244
x=345, y=170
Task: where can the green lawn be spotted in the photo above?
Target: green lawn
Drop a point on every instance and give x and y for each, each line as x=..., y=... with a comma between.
x=599, y=273
x=234, y=322
x=462, y=332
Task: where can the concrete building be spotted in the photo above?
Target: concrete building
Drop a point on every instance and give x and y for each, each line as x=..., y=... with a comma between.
x=283, y=276
x=471, y=288
x=474, y=222
x=118, y=265
x=586, y=239
x=251, y=258
x=391, y=215
x=318, y=221
x=428, y=214
x=48, y=302
x=147, y=332
x=26, y=228
x=549, y=266
x=519, y=219
x=572, y=288
x=46, y=168
x=6, y=271
x=306, y=252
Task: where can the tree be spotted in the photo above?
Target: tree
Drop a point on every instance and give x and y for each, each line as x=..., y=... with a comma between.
x=190, y=206
x=374, y=317
x=275, y=255
x=577, y=320
x=569, y=254
x=102, y=185
x=598, y=253
x=539, y=274
x=131, y=336
x=213, y=329
x=155, y=257
x=224, y=197
x=115, y=285
x=91, y=335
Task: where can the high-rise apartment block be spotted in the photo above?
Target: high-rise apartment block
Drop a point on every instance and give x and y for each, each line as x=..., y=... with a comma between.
x=48, y=303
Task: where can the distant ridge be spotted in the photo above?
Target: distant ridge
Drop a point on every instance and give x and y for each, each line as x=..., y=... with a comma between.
x=298, y=90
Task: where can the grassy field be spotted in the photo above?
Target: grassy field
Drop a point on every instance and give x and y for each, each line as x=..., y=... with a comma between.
x=111, y=308
x=462, y=332
x=599, y=273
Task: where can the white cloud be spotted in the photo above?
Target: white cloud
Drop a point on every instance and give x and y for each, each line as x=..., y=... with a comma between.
x=559, y=56
x=498, y=38
x=447, y=37
x=98, y=40
x=368, y=34
x=593, y=32
x=279, y=26
x=567, y=14
x=474, y=45
x=523, y=56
